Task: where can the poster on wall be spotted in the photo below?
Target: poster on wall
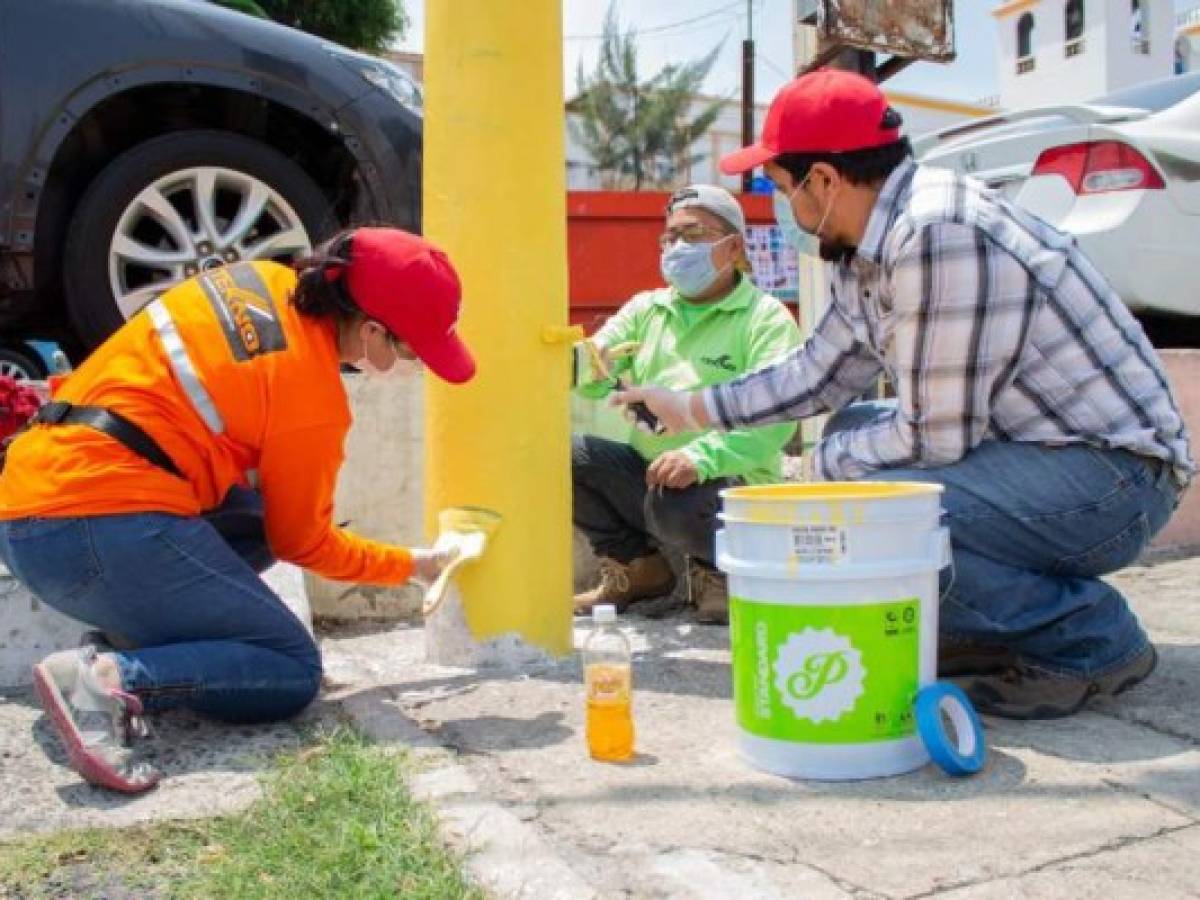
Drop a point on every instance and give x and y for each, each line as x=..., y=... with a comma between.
x=774, y=261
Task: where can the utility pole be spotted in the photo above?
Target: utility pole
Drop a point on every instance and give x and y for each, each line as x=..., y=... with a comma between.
x=813, y=289
x=495, y=62
x=748, y=90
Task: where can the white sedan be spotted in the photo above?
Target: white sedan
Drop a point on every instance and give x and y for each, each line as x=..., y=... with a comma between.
x=1121, y=173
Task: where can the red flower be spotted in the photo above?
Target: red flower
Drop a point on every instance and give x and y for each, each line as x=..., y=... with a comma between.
x=18, y=404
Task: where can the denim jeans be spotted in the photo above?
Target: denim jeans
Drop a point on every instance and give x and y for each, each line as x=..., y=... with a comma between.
x=623, y=518
x=1032, y=528
x=210, y=635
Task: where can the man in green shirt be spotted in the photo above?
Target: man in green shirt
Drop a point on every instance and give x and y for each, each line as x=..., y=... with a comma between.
x=710, y=325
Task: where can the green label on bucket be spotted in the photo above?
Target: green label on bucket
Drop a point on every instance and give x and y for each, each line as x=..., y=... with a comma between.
x=825, y=674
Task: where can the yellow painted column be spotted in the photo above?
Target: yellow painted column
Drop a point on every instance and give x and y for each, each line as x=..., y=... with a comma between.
x=495, y=199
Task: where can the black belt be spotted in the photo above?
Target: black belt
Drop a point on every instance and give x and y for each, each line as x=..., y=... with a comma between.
x=115, y=426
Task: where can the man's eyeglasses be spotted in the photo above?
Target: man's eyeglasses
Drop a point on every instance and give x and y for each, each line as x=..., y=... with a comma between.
x=689, y=234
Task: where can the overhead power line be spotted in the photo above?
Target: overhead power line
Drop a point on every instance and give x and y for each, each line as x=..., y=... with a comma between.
x=774, y=66
x=670, y=26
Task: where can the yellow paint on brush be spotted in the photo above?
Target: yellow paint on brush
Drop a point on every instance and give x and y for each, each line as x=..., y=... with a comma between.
x=495, y=199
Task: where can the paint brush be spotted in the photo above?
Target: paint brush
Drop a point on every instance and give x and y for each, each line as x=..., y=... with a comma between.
x=641, y=411
x=465, y=531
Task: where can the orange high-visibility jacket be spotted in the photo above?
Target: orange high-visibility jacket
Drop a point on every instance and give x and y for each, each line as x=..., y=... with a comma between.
x=229, y=379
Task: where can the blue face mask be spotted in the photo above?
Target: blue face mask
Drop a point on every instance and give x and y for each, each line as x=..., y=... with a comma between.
x=689, y=267
x=792, y=232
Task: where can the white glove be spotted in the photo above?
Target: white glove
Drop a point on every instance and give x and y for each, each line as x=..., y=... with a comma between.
x=673, y=409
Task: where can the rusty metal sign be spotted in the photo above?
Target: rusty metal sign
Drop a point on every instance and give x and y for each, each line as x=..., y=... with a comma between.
x=911, y=29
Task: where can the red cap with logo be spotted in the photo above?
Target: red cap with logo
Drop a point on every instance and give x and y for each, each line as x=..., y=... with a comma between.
x=409, y=286
x=827, y=111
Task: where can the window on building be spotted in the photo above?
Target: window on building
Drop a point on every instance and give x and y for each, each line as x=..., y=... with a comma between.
x=1025, y=44
x=1074, y=27
x=1139, y=28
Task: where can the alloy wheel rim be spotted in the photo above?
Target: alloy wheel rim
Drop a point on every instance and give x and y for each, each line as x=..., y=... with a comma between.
x=193, y=220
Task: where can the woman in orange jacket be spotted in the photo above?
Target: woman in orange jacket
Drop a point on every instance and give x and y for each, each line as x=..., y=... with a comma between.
x=222, y=396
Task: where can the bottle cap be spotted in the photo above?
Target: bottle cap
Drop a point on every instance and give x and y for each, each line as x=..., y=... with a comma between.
x=604, y=614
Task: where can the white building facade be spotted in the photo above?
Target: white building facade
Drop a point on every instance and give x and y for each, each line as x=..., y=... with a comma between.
x=1064, y=51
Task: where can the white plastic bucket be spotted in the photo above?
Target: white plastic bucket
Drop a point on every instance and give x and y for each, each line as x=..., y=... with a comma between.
x=833, y=620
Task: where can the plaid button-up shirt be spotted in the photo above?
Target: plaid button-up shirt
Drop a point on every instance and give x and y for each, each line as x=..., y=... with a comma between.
x=989, y=323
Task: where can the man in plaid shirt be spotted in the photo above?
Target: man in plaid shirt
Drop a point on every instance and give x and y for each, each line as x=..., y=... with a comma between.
x=1023, y=386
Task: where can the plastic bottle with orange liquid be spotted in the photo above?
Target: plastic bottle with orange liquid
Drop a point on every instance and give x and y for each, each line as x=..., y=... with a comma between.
x=608, y=675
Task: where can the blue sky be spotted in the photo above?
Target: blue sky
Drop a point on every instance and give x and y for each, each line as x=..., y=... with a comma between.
x=676, y=30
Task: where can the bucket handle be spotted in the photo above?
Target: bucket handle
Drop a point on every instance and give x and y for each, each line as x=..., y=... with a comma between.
x=942, y=550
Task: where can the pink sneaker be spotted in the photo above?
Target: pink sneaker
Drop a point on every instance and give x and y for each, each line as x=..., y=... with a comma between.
x=96, y=724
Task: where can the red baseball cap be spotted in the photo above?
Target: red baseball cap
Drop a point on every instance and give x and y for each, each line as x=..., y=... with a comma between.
x=409, y=286
x=826, y=111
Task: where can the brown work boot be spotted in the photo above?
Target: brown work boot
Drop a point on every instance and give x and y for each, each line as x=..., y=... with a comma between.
x=963, y=658
x=708, y=590
x=1027, y=691
x=623, y=583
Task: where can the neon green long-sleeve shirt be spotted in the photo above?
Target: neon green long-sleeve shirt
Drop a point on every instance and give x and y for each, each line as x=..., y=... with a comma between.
x=686, y=346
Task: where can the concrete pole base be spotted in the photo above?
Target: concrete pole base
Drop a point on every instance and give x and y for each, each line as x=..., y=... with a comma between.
x=449, y=642
x=29, y=631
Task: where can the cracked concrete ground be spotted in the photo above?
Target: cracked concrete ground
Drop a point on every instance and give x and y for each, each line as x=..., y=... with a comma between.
x=1106, y=804
x=210, y=770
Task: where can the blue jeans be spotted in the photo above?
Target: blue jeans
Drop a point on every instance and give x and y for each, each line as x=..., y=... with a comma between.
x=623, y=518
x=1032, y=528
x=210, y=635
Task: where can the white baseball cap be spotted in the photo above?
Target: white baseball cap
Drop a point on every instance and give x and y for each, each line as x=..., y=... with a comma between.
x=715, y=200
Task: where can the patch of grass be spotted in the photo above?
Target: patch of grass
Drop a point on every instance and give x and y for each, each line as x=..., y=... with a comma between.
x=337, y=820
x=131, y=862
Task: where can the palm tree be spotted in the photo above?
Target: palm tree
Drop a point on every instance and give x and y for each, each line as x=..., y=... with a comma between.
x=370, y=25
x=246, y=6
x=640, y=129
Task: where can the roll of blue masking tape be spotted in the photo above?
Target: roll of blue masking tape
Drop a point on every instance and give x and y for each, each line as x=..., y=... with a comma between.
x=962, y=753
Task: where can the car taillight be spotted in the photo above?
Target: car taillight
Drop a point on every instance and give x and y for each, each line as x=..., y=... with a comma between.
x=1098, y=167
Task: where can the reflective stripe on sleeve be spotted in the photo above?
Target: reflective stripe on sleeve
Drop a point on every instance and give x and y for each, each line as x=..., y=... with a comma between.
x=185, y=371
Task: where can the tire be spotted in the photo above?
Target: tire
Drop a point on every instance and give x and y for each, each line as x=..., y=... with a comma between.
x=21, y=364
x=170, y=167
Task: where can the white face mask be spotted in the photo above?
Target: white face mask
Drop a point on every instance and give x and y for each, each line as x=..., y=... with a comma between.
x=810, y=242
x=689, y=268
x=406, y=368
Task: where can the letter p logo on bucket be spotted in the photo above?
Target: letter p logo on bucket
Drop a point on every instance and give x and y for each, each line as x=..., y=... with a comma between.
x=819, y=670
x=819, y=674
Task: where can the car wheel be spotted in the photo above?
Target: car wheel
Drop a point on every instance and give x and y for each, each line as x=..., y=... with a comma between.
x=178, y=205
x=20, y=364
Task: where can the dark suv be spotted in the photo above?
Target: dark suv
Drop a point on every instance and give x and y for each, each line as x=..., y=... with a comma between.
x=142, y=141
